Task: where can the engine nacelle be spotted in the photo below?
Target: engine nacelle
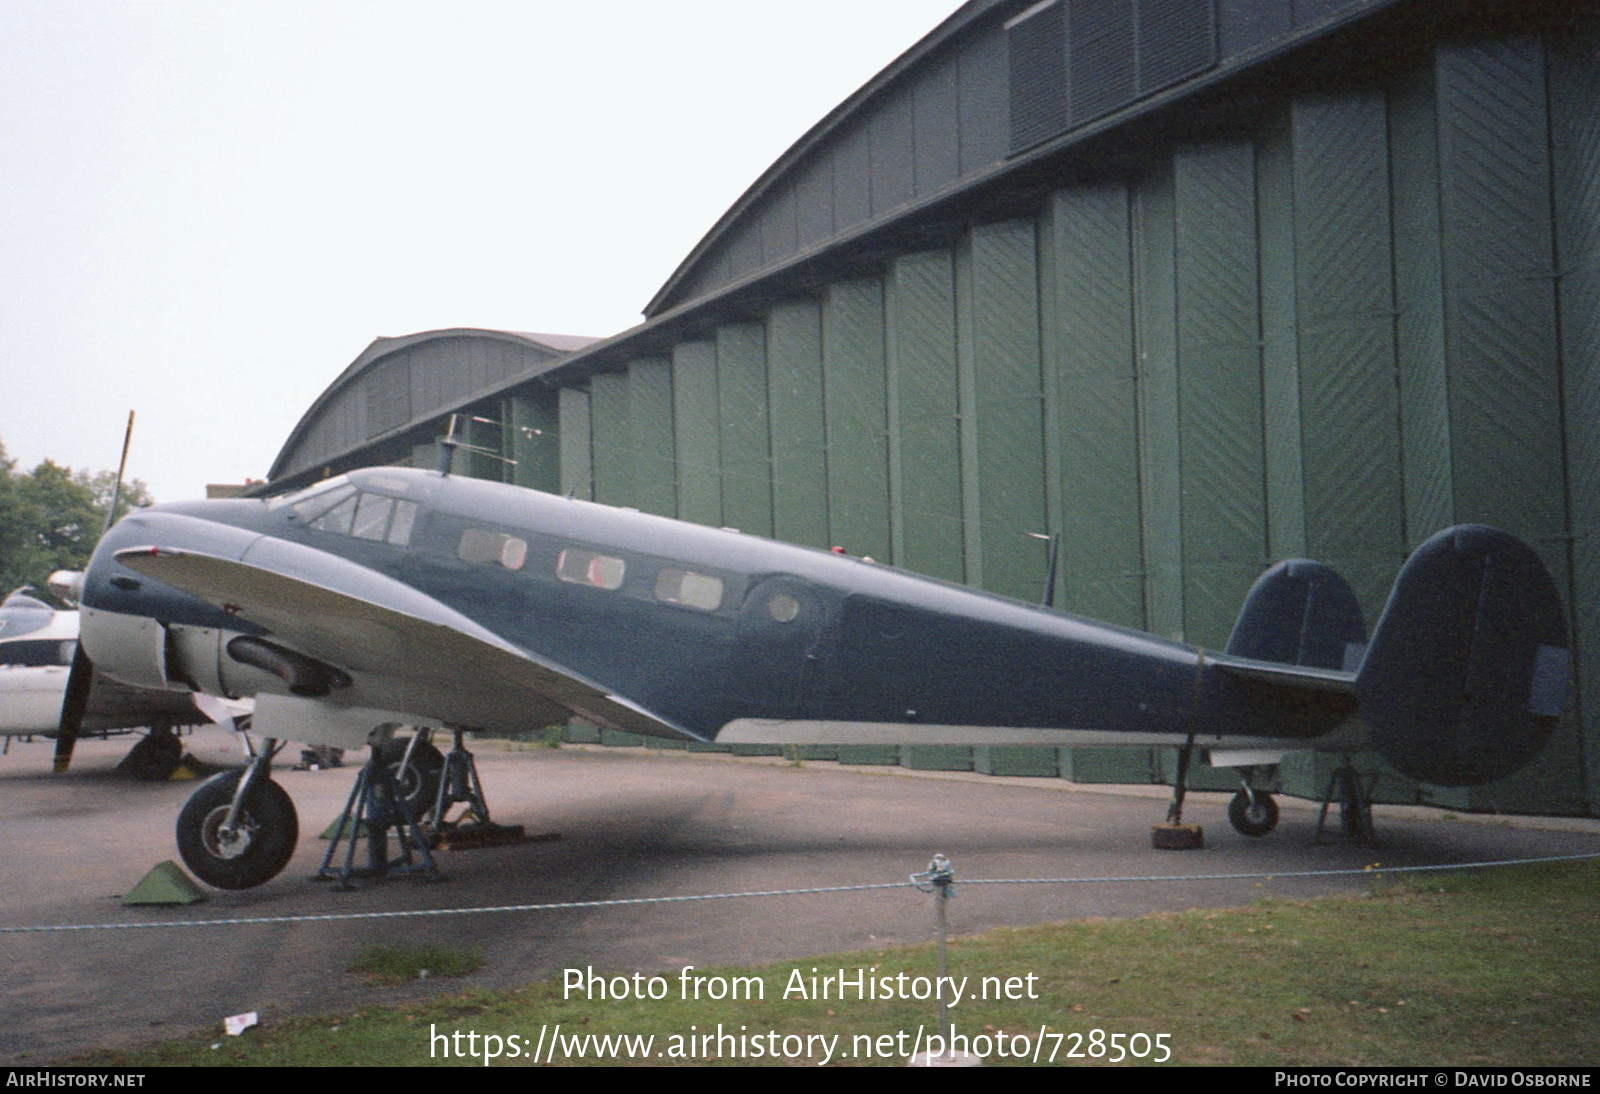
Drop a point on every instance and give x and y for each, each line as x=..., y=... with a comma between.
x=129, y=648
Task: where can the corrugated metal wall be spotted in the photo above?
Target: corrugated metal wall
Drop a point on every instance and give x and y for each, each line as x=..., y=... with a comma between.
x=1363, y=317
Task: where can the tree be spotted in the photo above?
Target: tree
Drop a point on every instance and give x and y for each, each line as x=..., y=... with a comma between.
x=51, y=518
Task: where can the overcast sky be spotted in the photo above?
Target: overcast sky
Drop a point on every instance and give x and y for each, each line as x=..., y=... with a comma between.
x=208, y=208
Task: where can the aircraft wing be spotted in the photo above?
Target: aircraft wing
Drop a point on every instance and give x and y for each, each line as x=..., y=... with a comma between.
x=403, y=650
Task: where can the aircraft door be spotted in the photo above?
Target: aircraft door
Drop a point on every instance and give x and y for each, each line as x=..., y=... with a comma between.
x=780, y=657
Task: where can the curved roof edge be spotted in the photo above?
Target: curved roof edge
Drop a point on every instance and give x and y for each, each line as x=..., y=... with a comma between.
x=672, y=320
x=384, y=346
x=835, y=118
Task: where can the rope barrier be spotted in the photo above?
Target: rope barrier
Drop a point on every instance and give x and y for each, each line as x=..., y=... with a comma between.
x=915, y=882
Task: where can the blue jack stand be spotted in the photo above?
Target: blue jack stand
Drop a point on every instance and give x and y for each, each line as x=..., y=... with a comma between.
x=459, y=785
x=375, y=806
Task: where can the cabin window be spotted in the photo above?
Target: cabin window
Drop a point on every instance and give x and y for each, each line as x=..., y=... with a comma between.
x=783, y=607
x=493, y=548
x=701, y=591
x=589, y=568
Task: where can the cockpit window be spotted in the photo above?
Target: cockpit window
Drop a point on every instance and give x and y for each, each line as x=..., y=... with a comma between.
x=313, y=505
x=309, y=493
x=371, y=520
x=364, y=515
x=339, y=517
x=405, y=515
x=23, y=614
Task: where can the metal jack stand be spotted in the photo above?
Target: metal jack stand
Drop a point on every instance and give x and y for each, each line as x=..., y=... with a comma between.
x=1355, y=805
x=459, y=785
x=376, y=805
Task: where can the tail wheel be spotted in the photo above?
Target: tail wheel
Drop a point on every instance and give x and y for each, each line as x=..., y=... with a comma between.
x=257, y=848
x=1253, y=814
x=418, y=778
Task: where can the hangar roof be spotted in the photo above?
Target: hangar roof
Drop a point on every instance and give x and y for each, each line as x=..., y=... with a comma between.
x=397, y=382
x=998, y=88
x=384, y=345
x=1002, y=102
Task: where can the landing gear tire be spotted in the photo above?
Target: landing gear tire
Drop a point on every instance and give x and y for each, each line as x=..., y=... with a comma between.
x=259, y=847
x=1253, y=817
x=155, y=757
x=417, y=781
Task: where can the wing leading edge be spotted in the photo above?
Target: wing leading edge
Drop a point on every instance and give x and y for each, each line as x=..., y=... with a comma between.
x=401, y=649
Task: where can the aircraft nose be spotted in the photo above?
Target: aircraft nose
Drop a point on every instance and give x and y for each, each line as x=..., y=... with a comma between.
x=110, y=585
x=126, y=614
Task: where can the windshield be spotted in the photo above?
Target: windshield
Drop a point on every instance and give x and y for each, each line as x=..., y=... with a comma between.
x=308, y=494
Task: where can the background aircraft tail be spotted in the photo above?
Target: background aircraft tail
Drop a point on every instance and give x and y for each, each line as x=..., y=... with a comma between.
x=1467, y=672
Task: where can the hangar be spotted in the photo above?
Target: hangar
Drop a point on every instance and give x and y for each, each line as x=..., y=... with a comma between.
x=1196, y=284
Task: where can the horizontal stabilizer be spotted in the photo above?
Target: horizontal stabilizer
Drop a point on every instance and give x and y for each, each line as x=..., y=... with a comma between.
x=1293, y=676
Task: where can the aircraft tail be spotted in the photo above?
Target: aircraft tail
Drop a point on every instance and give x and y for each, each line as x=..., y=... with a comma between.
x=1300, y=612
x=1467, y=672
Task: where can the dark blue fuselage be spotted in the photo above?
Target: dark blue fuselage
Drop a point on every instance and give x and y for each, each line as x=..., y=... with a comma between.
x=703, y=627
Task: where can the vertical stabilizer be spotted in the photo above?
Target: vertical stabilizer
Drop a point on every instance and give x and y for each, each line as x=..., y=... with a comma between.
x=1300, y=612
x=1467, y=672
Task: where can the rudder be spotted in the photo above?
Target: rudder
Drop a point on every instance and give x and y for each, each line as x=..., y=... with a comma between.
x=1467, y=672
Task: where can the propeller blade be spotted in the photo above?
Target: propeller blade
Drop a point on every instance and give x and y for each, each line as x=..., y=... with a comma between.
x=79, y=680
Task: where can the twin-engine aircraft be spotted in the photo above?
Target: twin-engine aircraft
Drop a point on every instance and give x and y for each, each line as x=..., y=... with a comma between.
x=405, y=596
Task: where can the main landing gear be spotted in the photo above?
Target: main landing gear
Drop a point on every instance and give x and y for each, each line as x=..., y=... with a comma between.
x=417, y=768
x=155, y=757
x=410, y=788
x=238, y=829
x=396, y=788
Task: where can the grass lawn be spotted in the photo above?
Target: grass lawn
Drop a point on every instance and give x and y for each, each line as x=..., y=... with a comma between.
x=1494, y=967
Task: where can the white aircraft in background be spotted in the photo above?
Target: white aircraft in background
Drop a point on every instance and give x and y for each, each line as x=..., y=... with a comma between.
x=37, y=644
